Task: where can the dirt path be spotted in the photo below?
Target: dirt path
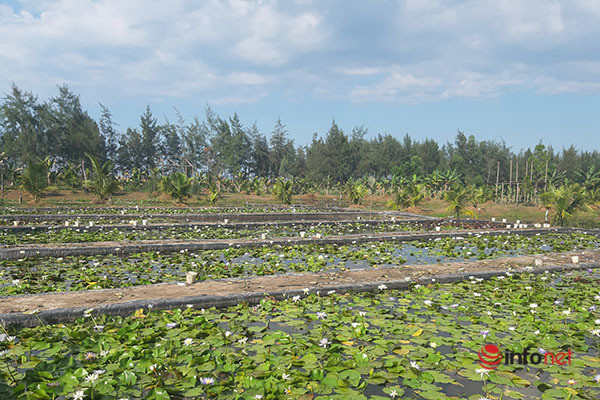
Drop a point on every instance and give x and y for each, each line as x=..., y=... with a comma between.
x=95, y=298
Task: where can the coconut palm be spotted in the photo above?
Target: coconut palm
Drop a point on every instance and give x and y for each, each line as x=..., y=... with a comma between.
x=177, y=185
x=34, y=178
x=564, y=201
x=103, y=182
x=458, y=198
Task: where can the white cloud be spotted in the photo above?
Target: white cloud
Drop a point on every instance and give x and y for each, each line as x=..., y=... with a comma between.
x=414, y=50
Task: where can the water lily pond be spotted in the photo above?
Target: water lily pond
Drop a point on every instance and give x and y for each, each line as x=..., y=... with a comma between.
x=417, y=344
x=194, y=232
x=94, y=272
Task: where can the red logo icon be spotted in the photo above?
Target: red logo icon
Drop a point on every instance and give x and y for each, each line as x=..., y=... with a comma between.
x=490, y=356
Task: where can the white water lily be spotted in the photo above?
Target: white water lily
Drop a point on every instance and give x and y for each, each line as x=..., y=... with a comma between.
x=78, y=395
x=415, y=365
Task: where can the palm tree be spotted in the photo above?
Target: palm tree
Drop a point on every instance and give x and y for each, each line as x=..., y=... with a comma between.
x=34, y=178
x=103, y=182
x=565, y=200
x=458, y=198
x=177, y=185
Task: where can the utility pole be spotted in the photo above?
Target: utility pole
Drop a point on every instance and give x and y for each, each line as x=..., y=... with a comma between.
x=497, y=179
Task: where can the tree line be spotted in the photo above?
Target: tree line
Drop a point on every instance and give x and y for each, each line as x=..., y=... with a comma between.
x=61, y=133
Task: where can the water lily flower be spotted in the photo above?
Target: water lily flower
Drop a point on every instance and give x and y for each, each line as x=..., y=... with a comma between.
x=258, y=396
x=188, y=342
x=595, y=332
x=592, y=308
x=533, y=305
x=207, y=381
x=243, y=341
x=153, y=367
x=355, y=324
x=5, y=338
x=91, y=378
x=482, y=371
x=362, y=313
x=171, y=325
x=597, y=321
x=597, y=378
x=433, y=345
x=536, y=332
x=78, y=395
x=484, y=333
x=227, y=333
x=321, y=315
x=295, y=299
x=571, y=381
x=324, y=342
x=306, y=290
x=511, y=328
x=99, y=328
x=382, y=287
x=428, y=303
x=104, y=353
x=393, y=393
x=567, y=312
x=285, y=376
x=90, y=355
x=415, y=365
x=476, y=294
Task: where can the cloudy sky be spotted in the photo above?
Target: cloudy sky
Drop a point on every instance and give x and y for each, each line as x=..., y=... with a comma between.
x=521, y=71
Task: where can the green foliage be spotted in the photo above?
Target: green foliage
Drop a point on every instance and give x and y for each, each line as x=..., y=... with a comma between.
x=564, y=201
x=357, y=191
x=283, y=190
x=410, y=196
x=34, y=178
x=69, y=176
x=177, y=185
x=213, y=194
x=103, y=182
x=458, y=198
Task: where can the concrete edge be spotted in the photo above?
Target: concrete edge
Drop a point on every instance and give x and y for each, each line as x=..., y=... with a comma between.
x=65, y=315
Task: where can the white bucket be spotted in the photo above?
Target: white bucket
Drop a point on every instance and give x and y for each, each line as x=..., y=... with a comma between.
x=190, y=277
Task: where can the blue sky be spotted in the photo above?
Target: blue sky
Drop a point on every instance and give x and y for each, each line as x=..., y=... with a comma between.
x=518, y=71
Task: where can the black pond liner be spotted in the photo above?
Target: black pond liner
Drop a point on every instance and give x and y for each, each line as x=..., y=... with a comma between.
x=65, y=315
x=171, y=246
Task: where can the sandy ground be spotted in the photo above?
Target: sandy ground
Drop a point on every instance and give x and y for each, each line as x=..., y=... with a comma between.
x=265, y=284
